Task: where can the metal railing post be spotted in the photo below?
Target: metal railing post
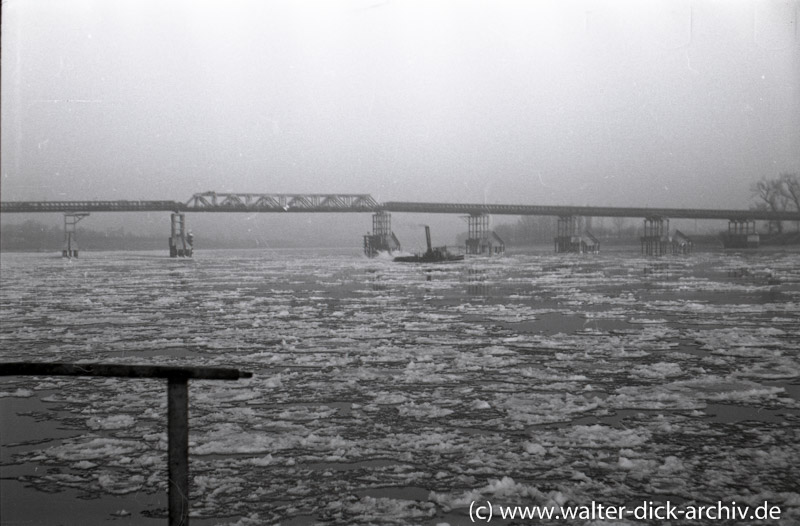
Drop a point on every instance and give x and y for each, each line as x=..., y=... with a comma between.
x=178, y=449
x=177, y=411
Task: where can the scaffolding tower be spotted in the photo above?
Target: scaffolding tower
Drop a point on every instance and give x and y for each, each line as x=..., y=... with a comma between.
x=480, y=239
x=71, y=219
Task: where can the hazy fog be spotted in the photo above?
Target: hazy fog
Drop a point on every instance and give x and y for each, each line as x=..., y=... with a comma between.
x=672, y=104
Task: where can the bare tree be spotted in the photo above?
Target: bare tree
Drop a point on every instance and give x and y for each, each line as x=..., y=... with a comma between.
x=790, y=186
x=778, y=195
x=767, y=197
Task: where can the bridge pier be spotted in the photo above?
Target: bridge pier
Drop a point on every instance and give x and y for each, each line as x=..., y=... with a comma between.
x=180, y=241
x=70, y=239
x=572, y=237
x=565, y=239
x=741, y=234
x=480, y=239
x=655, y=240
x=382, y=238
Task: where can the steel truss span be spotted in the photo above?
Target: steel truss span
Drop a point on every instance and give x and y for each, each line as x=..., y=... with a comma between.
x=230, y=202
x=216, y=202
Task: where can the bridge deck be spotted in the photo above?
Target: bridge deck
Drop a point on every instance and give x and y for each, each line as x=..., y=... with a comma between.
x=282, y=203
x=587, y=211
x=90, y=206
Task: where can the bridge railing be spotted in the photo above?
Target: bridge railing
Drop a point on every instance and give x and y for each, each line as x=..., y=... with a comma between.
x=177, y=411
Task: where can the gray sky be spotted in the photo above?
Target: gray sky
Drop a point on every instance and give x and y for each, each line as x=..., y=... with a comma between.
x=676, y=103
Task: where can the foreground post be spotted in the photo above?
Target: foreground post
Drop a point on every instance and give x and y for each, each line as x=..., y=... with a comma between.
x=178, y=446
x=177, y=410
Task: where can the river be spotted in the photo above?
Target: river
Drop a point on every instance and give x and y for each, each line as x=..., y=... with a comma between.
x=387, y=393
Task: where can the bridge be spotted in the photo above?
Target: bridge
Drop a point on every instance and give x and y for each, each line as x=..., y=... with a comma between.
x=361, y=203
x=569, y=238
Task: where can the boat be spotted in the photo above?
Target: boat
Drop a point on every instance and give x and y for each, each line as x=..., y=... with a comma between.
x=433, y=255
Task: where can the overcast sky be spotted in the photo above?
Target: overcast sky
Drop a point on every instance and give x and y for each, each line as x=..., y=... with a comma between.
x=675, y=103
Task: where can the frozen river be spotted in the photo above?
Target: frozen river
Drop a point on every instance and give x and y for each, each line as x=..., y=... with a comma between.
x=386, y=393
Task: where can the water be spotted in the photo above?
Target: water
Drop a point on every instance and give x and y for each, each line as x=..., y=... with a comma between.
x=396, y=394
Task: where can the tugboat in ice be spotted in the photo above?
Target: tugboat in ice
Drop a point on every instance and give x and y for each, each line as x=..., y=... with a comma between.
x=433, y=255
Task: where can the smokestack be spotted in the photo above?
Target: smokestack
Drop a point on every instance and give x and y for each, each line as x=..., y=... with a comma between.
x=428, y=238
